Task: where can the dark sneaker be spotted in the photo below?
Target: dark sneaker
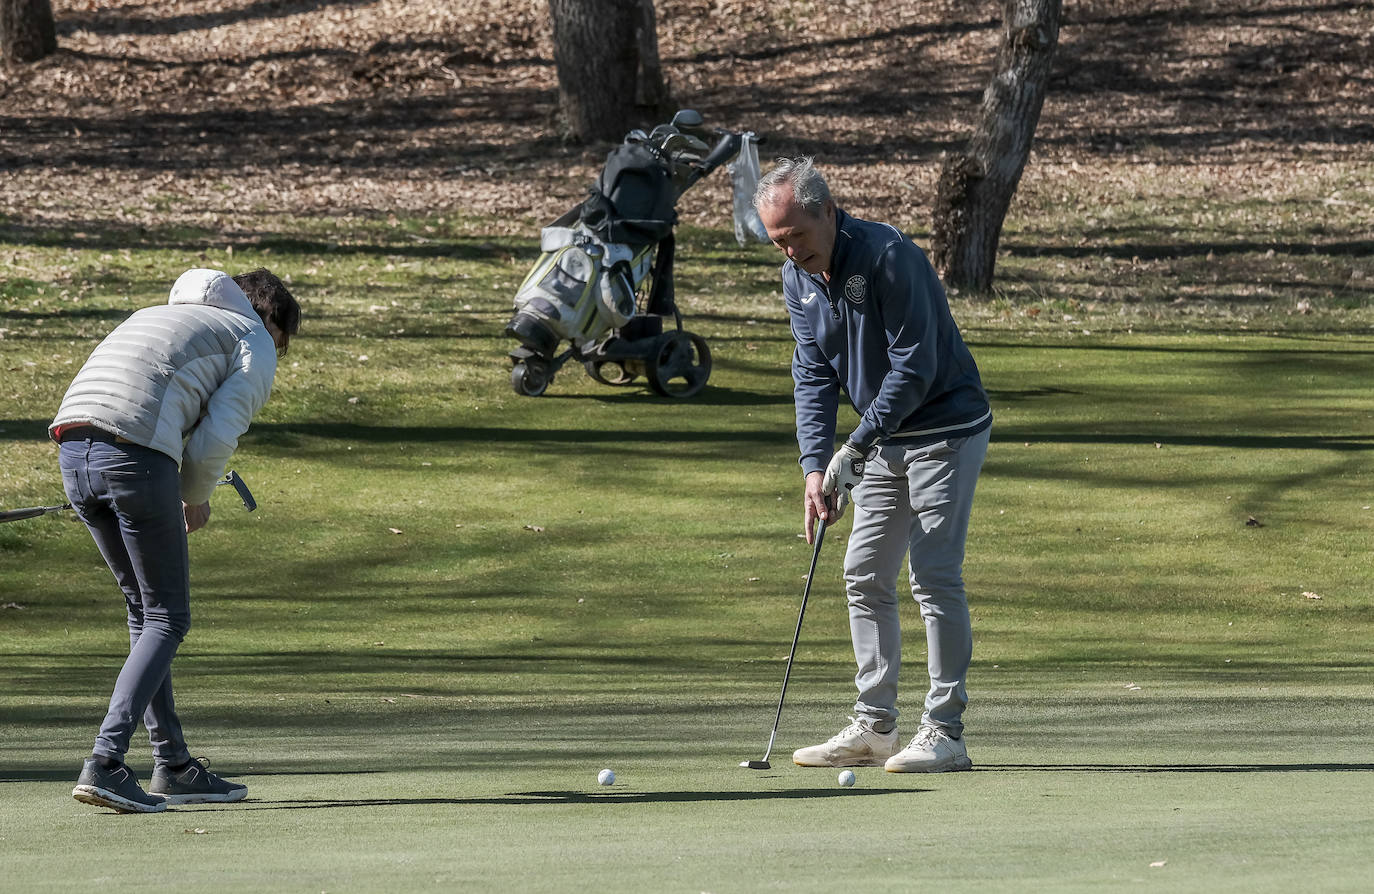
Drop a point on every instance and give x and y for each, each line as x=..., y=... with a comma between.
x=115, y=788
x=195, y=785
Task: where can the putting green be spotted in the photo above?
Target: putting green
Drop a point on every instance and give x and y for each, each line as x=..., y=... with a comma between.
x=454, y=606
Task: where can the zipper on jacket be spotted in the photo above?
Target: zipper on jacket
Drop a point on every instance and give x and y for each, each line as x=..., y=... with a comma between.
x=824, y=288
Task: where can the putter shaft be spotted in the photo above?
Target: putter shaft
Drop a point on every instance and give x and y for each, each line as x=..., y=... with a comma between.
x=231, y=478
x=787, y=674
x=30, y=512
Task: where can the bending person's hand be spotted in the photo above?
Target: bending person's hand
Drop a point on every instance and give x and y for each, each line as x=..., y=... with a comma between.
x=196, y=516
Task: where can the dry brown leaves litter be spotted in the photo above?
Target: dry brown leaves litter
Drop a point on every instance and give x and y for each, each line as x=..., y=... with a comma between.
x=218, y=111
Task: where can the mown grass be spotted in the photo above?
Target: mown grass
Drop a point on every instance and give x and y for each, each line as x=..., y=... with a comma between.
x=455, y=604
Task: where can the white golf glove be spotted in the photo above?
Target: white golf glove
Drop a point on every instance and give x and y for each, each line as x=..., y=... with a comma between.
x=846, y=469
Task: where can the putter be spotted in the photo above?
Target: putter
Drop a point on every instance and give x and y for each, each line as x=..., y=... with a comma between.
x=231, y=478
x=806, y=593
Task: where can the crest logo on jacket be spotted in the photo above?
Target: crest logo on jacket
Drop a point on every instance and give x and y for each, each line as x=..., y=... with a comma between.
x=855, y=288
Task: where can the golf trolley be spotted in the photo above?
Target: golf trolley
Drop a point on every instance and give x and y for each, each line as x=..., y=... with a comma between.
x=604, y=278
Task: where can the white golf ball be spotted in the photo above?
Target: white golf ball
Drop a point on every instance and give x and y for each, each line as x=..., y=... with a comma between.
x=847, y=778
x=606, y=777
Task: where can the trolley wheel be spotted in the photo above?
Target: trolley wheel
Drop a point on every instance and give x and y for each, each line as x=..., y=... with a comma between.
x=609, y=372
x=530, y=378
x=679, y=364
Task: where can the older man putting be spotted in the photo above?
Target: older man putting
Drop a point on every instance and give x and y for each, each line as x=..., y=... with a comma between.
x=871, y=320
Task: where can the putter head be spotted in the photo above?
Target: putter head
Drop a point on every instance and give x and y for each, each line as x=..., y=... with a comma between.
x=232, y=478
x=756, y=765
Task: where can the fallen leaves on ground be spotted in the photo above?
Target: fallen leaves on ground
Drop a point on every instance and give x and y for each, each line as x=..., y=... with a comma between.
x=159, y=112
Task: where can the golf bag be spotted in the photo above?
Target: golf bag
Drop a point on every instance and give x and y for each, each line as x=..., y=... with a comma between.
x=603, y=282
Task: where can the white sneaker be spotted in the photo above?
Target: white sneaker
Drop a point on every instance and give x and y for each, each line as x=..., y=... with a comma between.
x=932, y=751
x=857, y=745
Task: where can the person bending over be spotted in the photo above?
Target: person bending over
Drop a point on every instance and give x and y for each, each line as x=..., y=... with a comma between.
x=145, y=431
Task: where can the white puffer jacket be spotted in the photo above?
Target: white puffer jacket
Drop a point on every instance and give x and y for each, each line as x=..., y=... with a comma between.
x=184, y=378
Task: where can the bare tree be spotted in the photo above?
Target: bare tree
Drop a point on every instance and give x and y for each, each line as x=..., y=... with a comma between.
x=976, y=186
x=606, y=54
x=27, y=30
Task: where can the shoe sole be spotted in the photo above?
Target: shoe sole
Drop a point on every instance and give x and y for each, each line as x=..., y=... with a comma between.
x=204, y=798
x=100, y=797
x=854, y=762
x=957, y=766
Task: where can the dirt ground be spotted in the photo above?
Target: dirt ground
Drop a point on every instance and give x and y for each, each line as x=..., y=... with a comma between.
x=218, y=112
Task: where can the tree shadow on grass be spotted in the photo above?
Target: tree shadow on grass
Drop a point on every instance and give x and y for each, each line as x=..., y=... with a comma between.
x=106, y=234
x=65, y=774
x=1182, y=768
x=639, y=393
x=513, y=799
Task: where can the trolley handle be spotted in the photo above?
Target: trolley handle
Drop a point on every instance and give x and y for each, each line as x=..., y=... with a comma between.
x=725, y=149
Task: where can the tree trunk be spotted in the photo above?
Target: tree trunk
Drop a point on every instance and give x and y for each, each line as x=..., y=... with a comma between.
x=653, y=93
x=976, y=186
x=601, y=48
x=27, y=30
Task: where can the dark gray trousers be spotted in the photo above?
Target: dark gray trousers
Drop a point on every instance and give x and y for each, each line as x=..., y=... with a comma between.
x=130, y=498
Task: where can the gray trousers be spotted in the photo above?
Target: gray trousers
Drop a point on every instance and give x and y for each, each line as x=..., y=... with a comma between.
x=913, y=501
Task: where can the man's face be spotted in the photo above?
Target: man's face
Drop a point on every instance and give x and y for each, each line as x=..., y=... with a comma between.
x=806, y=238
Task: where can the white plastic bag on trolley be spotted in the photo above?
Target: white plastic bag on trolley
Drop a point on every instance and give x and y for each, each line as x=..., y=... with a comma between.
x=744, y=177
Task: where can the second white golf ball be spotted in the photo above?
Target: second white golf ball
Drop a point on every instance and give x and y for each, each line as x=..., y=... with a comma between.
x=847, y=778
x=607, y=777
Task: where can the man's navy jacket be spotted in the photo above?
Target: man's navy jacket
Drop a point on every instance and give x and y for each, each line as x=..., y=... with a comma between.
x=881, y=329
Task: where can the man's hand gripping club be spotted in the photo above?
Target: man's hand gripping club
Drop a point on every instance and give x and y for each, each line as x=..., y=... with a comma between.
x=827, y=493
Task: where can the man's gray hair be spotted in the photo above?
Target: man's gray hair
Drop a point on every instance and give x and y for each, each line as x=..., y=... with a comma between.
x=808, y=186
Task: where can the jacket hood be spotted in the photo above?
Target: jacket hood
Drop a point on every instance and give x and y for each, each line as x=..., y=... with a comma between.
x=212, y=287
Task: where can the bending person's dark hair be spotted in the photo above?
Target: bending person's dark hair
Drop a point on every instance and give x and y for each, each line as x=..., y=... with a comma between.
x=271, y=300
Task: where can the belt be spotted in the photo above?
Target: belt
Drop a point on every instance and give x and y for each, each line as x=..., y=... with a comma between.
x=89, y=433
